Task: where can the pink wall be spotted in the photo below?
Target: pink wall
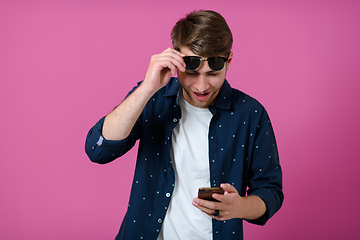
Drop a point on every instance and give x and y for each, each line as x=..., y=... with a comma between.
x=65, y=64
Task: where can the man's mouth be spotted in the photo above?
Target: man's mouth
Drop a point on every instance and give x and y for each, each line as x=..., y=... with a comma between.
x=201, y=96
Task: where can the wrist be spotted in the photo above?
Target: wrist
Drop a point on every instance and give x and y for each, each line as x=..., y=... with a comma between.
x=147, y=88
x=255, y=207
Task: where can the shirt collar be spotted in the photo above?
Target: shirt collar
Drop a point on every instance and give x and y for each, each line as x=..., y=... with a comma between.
x=172, y=88
x=223, y=100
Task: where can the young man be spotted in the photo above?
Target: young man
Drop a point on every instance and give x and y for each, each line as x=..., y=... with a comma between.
x=194, y=131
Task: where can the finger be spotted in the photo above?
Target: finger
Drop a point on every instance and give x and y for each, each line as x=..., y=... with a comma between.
x=207, y=207
x=228, y=188
x=177, y=58
x=218, y=197
x=169, y=62
x=167, y=65
x=216, y=213
x=161, y=62
x=178, y=61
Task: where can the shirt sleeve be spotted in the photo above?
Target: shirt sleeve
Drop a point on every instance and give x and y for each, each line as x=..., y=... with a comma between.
x=265, y=180
x=102, y=151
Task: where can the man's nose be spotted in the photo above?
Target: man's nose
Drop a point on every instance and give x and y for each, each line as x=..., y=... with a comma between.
x=201, y=84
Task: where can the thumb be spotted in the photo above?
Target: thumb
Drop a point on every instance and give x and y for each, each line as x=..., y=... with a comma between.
x=228, y=188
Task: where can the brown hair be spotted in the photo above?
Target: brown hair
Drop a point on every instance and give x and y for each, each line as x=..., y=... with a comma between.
x=205, y=32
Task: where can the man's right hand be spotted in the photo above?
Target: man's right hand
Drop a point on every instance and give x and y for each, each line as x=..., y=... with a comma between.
x=161, y=67
x=119, y=123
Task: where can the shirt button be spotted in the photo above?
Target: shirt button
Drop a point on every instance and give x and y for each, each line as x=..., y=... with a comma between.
x=167, y=194
x=175, y=120
x=159, y=220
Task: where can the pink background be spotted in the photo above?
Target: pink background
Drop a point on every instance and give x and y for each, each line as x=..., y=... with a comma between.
x=65, y=64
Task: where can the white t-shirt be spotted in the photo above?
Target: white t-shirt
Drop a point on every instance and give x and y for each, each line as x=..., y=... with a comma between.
x=190, y=157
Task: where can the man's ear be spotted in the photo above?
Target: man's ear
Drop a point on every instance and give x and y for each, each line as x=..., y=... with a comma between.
x=229, y=60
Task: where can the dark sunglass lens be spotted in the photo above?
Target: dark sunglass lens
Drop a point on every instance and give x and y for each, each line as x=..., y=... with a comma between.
x=216, y=63
x=192, y=63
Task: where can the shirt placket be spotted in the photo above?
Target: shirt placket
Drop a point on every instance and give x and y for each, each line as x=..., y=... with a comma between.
x=214, y=164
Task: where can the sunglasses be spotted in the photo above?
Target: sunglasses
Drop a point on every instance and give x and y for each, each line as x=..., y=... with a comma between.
x=215, y=63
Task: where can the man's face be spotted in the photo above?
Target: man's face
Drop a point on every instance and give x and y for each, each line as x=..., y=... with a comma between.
x=201, y=87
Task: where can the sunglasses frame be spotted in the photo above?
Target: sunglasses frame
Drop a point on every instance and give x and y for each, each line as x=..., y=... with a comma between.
x=206, y=59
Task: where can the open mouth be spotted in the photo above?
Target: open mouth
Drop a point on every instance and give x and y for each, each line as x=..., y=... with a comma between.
x=201, y=96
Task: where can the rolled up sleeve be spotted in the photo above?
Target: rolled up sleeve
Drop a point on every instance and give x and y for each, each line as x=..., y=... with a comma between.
x=100, y=150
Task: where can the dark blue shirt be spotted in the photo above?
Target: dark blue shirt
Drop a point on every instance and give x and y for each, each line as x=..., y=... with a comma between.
x=242, y=152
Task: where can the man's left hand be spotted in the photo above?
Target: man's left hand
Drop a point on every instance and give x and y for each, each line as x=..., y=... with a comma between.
x=232, y=205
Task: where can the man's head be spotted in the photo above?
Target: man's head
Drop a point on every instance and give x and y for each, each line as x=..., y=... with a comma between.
x=203, y=34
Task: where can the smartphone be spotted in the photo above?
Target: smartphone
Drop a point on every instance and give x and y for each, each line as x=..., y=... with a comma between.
x=207, y=192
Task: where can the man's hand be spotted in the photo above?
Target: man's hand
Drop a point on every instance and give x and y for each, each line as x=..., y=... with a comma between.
x=232, y=205
x=161, y=67
x=119, y=123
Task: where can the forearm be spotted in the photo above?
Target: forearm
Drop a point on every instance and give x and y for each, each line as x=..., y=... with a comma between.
x=253, y=207
x=119, y=123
